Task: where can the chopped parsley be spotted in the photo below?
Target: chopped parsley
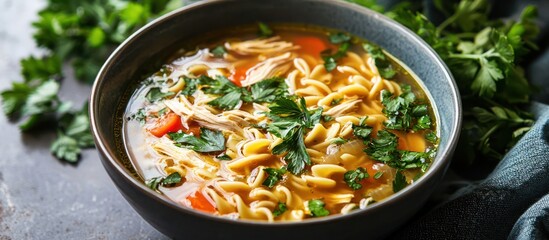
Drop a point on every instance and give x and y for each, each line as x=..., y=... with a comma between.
x=378, y=175
x=362, y=132
x=383, y=65
x=402, y=112
x=139, y=116
x=431, y=137
x=263, y=91
x=327, y=118
x=330, y=59
x=353, y=177
x=209, y=140
x=223, y=157
x=316, y=207
x=169, y=181
x=280, y=209
x=337, y=38
x=219, y=51
x=156, y=94
x=264, y=30
x=274, y=176
x=383, y=148
x=338, y=141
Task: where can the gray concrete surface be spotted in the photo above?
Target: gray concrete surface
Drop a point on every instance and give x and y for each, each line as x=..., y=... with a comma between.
x=41, y=197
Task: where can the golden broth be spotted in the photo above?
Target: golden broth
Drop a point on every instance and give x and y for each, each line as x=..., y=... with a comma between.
x=244, y=179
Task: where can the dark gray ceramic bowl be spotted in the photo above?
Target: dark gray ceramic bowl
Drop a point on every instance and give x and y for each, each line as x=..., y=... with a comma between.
x=146, y=50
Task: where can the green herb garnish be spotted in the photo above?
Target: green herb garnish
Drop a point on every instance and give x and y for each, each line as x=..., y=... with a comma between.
x=353, y=178
x=209, y=140
x=268, y=90
x=280, y=209
x=264, y=30
x=223, y=157
x=337, y=38
x=338, y=141
x=219, y=51
x=403, y=113
x=289, y=123
x=378, y=175
x=316, y=206
x=274, y=176
x=383, y=65
x=169, y=181
x=156, y=94
x=330, y=59
x=82, y=35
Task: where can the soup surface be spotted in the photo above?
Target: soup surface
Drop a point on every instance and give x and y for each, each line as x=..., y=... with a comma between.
x=280, y=124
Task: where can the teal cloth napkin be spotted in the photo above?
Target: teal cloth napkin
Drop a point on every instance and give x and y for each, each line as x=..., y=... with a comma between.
x=512, y=202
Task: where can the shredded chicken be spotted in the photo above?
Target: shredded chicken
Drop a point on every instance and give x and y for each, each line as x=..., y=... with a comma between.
x=182, y=156
x=269, y=68
x=200, y=114
x=342, y=108
x=265, y=46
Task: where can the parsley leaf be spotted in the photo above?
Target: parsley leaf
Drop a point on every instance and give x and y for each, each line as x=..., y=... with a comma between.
x=362, y=132
x=219, y=51
x=140, y=116
x=330, y=59
x=172, y=179
x=223, y=157
x=338, y=141
x=296, y=153
x=289, y=122
x=264, y=30
x=337, y=38
x=156, y=94
x=353, y=177
x=274, y=176
x=378, y=175
x=383, y=64
x=14, y=98
x=403, y=113
x=209, y=140
x=169, y=181
x=268, y=90
x=383, y=148
x=228, y=101
x=280, y=209
x=83, y=34
x=316, y=206
x=73, y=134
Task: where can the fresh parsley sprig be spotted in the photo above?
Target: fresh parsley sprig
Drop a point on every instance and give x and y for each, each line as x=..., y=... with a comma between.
x=485, y=56
x=81, y=34
x=330, y=58
x=289, y=122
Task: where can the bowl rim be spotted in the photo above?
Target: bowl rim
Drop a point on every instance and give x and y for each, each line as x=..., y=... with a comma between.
x=442, y=159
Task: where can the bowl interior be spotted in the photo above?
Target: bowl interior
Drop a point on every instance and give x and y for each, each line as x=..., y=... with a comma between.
x=146, y=50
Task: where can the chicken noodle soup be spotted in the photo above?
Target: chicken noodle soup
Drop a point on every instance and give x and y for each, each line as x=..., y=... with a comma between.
x=280, y=124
